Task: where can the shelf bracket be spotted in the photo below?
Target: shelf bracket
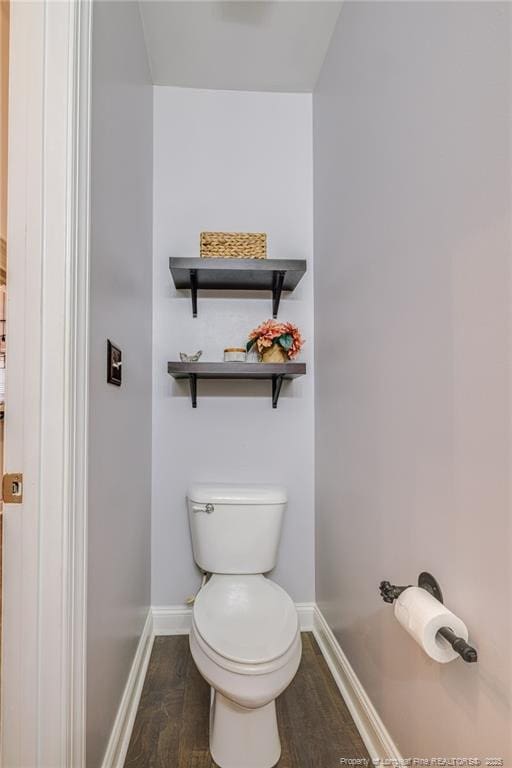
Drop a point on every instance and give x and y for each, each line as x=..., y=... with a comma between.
x=192, y=378
x=277, y=287
x=277, y=382
x=193, y=291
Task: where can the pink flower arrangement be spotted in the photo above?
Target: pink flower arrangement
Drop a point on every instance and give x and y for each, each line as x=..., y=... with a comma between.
x=271, y=332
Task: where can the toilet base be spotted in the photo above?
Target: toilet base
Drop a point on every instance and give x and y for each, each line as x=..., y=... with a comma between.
x=243, y=738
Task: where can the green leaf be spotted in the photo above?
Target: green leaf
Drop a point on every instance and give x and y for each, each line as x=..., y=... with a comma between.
x=250, y=344
x=286, y=341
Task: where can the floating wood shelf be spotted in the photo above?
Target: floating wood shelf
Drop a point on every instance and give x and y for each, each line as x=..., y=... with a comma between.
x=275, y=275
x=276, y=373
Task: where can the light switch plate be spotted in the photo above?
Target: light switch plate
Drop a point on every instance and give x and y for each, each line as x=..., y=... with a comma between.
x=114, y=364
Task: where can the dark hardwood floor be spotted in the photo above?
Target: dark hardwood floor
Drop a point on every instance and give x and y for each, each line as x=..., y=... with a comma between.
x=171, y=727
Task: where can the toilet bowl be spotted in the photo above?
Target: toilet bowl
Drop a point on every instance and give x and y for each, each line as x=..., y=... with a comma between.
x=245, y=636
x=245, y=641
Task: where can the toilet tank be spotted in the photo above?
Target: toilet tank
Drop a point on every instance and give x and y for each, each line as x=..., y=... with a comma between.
x=235, y=528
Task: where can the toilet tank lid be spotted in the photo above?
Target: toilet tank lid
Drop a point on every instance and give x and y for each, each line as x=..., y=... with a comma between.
x=223, y=493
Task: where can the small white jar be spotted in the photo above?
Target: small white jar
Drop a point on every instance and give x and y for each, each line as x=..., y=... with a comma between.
x=235, y=355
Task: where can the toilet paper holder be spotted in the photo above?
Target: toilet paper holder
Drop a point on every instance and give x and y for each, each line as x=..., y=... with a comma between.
x=390, y=592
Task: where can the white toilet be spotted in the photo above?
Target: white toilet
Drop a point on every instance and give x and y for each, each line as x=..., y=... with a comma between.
x=245, y=636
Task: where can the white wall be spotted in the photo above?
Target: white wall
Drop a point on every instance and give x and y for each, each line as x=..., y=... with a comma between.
x=119, y=516
x=229, y=161
x=412, y=154
x=4, y=123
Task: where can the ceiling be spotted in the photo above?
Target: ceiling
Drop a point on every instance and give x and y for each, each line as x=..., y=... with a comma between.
x=248, y=46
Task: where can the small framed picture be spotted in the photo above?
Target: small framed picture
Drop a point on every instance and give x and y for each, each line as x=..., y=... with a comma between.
x=114, y=364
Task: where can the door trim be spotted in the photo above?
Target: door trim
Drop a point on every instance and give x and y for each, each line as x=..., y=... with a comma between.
x=43, y=660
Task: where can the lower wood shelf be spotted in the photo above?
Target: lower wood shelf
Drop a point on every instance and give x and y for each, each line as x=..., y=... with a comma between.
x=276, y=373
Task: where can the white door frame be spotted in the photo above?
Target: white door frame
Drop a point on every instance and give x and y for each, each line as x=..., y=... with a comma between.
x=43, y=655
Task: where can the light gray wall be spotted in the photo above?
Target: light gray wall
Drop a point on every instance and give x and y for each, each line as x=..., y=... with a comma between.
x=120, y=418
x=412, y=294
x=229, y=161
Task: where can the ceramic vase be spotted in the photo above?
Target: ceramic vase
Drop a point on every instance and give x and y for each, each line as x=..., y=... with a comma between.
x=274, y=354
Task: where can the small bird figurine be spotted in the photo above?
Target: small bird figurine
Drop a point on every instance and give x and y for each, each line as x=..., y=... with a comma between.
x=190, y=358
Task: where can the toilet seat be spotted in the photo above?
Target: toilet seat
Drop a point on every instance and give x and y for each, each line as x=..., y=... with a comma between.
x=250, y=686
x=243, y=668
x=245, y=620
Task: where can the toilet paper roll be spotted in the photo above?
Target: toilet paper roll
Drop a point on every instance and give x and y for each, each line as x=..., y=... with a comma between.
x=421, y=615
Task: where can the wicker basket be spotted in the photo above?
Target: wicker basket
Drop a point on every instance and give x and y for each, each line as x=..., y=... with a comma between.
x=233, y=245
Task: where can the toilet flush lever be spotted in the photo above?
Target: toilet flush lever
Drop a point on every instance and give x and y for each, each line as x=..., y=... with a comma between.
x=206, y=508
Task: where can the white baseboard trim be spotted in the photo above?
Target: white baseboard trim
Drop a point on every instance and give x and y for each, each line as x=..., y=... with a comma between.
x=122, y=730
x=177, y=619
x=171, y=619
x=372, y=730
x=306, y=612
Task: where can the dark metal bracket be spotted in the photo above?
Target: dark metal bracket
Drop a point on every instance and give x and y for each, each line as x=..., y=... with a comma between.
x=390, y=592
x=277, y=382
x=277, y=289
x=466, y=651
x=193, y=291
x=278, y=278
x=192, y=379
x=427, y=581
